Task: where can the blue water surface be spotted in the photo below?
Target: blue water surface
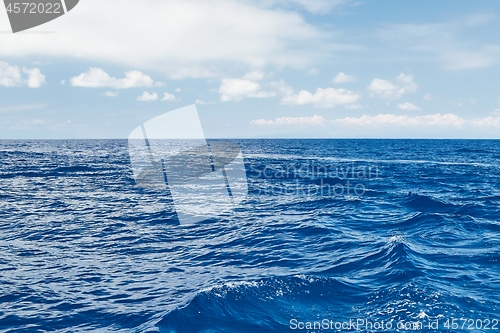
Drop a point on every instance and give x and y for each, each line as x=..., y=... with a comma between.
x=405, y=232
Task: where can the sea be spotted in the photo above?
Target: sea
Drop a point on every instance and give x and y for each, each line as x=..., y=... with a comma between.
x=334, y=235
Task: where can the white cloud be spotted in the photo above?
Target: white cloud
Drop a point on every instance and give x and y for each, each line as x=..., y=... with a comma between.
x=169, y=97
x=35, y=78
x=388, y=120
x=237, y=89
x=493, y=122
x=97, y=78
x=200, y=102
x=147, y=97
x=111, y=94
x=387, y=90
x=382, y=88
x=407, y=79
x=324, y=98
x=182, y=38
x=178, y=89
x=428, y=97
x=408, y=106
x=342, y=77
x=11, y=76
x=310, y=121
x=441, y=120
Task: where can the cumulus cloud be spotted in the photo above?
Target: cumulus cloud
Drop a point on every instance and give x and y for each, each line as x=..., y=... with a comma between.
x=35, y=78
x=310, y=121
x=408, y=106
x=98, y=78
x=387, y=120
x=387, y=90
x=147, y=97
x=324, y=98
x=342, y=77
x=237, y=89
x=169, y=97
x=441, y=120
x=182, y=38
x=492, y=122
x=382, y=88
x=12, y=76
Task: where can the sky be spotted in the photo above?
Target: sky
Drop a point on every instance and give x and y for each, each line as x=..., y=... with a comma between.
x=257, y=69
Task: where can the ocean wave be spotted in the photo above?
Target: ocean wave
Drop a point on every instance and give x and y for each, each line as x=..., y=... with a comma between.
x=82, y=249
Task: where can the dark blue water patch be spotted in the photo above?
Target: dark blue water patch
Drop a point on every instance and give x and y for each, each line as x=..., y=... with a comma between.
x=262, y=306
x=423, y=203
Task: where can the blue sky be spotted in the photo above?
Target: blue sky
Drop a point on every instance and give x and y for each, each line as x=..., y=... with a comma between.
x=263, y=68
